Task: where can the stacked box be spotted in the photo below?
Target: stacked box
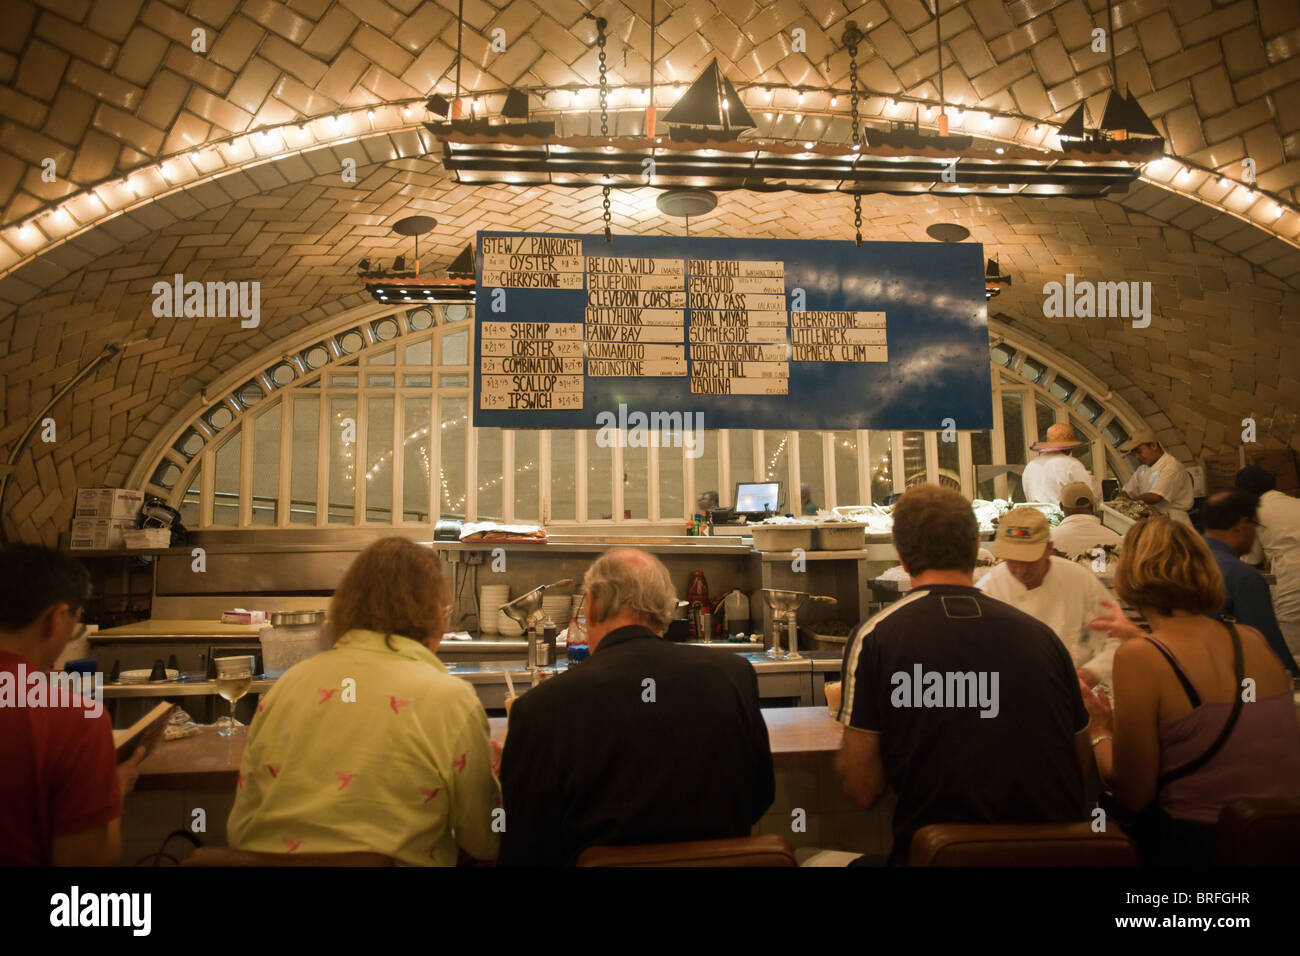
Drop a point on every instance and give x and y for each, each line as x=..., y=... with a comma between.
x=98, y=533
x=111, y=503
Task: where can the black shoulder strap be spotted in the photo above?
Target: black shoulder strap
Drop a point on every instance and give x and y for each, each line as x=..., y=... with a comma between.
x=1239, y=670
x=1193, y=698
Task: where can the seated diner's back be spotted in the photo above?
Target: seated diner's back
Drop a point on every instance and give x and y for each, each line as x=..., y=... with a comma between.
x=765, y=849
x=1259, y=833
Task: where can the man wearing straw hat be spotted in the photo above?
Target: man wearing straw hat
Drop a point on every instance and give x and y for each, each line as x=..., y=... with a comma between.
x=1055, y=467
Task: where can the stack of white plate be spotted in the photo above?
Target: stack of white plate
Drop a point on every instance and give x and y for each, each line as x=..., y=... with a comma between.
x=557, y=607
x=141, y=676
x=490, y=598
x=507, y=626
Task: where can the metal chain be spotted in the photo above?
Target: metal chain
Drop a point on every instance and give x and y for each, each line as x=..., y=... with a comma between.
x=604, y=115
x=851, y=41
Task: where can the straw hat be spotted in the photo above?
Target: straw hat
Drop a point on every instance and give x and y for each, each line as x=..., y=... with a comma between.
x=1060, y=437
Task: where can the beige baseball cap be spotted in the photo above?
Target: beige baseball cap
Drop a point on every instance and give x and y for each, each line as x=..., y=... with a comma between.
x=1143, y=437
x=1022, y=535
x=1077, y=494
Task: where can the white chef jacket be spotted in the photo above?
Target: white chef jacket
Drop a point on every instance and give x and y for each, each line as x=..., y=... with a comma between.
x=1079, y=534
x=1168, y=479
x=1279, y=537
x=1067, y=600
x=1046, y=475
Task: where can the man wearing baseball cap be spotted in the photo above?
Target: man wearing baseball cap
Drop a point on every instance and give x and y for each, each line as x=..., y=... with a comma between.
x=1055, y=467
x=1063, y=595
x=1081, y=531
x=1161, y=481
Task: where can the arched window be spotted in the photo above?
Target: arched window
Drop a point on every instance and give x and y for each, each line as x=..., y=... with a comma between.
x=369, y=426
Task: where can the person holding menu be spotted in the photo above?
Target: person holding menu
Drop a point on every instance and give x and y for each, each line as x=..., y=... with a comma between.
x=61, y=792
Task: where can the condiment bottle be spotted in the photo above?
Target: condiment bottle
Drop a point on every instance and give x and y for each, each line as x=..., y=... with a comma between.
x=697, y=593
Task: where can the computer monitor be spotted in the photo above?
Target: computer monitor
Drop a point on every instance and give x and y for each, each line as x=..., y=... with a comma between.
x=757, y=497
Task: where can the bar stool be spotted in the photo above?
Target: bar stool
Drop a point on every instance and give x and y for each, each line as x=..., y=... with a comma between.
x=764, y=849
x=228, y=856
x=1258, y=832
x=1021, y=844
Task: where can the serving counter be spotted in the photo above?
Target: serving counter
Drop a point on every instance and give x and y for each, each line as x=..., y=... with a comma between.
x=183, y=777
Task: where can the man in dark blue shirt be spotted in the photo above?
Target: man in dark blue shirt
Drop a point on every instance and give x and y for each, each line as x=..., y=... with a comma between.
x=1230, y=522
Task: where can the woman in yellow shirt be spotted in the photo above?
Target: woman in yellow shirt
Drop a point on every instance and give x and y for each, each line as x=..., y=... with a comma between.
x=373, y=745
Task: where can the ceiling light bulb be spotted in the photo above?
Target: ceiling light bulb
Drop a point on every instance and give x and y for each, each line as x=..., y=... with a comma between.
x=62, y=215
x=194, y=156
x=1223, y=180
x=801, y=98
x=769, y=94
x=798, y=117
x=406, y=112
x=370, y=115
x=999, y=150
x=834, y=101
x=726, y=103
x=807, y=145
x=26, y=232
x=986, y=122
x=1277, y=211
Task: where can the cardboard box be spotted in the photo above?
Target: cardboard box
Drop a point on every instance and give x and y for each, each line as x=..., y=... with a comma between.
x=108, y=503
x=98, y=533
x=1278, y=462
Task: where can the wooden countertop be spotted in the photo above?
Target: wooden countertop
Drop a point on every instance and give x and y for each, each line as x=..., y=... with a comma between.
x=797, y=734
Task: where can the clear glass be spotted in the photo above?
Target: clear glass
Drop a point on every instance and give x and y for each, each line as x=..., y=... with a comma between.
x=416, y=458
x=636, y=483
x=600, y=474
x=1046, y=413
x=234, y=677
x=341, y=507
x=740, y=454
x=1084, y=455
x=914, y=471
x=305, y=457
x=1062, y=388
x=225, y=504
x=981, y=453
x=491, y=474
x=564, y=496
x=880, y=461
x=387, y=357
x=707, y=474
x=452, y=456
x=189, y=508
x=811, y=472
x=949, y=463
x=379, y=458
x=845, y=455
x=672, y=478
x=266, y=465
x=527, y=471
x=1013, y=433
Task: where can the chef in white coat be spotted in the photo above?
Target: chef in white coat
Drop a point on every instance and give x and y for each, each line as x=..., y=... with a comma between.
x=1160, y=480
x=1055, y=467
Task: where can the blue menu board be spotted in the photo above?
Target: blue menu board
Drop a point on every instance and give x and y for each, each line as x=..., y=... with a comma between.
x=752, y=333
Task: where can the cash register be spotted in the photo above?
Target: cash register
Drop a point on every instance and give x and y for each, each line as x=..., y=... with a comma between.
x=754, y=501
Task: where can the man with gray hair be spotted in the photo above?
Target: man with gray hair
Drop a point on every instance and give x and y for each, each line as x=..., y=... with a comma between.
x=645, y=742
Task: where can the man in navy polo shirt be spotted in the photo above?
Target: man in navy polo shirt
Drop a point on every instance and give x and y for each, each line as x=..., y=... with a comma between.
x=967, y=707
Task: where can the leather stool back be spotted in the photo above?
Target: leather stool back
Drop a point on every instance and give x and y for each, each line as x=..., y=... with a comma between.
x=1021, y=844
x=765, y=849
x=1259, y=833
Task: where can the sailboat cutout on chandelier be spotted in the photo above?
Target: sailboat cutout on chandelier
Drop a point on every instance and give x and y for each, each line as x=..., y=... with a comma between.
x=1125, y=129
x=710, y=110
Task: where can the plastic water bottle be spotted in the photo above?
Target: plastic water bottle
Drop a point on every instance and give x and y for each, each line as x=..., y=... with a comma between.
x=578, y=649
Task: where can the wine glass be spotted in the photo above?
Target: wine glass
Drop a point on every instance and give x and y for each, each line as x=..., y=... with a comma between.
x=234, y=677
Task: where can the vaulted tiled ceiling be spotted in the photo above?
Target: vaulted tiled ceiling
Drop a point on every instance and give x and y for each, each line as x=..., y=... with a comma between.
x=105, y=88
